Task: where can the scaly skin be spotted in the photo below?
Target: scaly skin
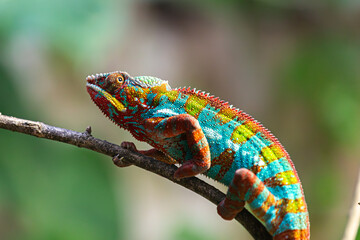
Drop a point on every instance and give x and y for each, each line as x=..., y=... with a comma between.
x=207, y=135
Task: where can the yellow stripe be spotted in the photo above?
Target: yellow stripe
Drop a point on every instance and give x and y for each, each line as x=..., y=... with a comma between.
x=268, y=154
x=225, y=115
x=295, y=205
x=277, y=151
x=172, y=95
x=119, y=106
x=286, y=178
x=241, y=134
x=195, y=104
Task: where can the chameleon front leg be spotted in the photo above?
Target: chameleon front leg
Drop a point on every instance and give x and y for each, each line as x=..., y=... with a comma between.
x=154, y=153
x=162, y=128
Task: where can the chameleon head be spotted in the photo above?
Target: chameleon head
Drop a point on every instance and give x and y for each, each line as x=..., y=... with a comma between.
x=107, y=92
x=114, y=94
x=117, y=94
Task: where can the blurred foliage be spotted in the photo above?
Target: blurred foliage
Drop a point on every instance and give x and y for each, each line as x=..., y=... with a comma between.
x=323, y=76
x=73, y=28
x=188, y=232
x=49, y=190
x=326, y=71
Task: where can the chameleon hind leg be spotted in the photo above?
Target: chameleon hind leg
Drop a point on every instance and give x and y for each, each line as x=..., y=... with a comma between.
x=164, y=128
x=246, y=187
x=285, y=219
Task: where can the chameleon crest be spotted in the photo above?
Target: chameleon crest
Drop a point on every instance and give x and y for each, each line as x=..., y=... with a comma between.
x=208, y=136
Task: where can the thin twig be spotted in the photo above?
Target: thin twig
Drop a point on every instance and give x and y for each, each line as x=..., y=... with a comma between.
x=354, y=215
x=85, y=140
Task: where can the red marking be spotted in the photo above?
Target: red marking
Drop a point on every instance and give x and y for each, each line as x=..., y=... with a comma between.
x=256, y=168
x=255, y=192
x=261, y=211
x=225, y=160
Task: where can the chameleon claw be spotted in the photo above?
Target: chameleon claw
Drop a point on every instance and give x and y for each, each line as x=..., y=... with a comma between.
x=119, y=161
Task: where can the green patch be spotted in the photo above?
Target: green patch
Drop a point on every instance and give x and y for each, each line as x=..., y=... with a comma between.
x=195, y=104
x=225, y=115
x=172, y=95
x=240, y=134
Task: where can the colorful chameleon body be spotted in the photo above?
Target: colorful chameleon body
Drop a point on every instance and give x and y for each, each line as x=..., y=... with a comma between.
x=208, y=136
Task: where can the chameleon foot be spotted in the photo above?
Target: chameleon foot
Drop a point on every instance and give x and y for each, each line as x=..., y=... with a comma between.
x=129, y=145
x=226, y=212
x=119, y=161
x=190, y=169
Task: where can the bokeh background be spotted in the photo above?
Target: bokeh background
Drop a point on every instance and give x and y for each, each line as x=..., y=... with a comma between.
x=293, y=65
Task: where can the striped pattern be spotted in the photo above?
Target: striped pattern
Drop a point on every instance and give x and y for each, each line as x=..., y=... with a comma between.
x=200, y=130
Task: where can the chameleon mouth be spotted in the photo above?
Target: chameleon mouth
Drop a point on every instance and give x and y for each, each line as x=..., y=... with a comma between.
x=95, y=92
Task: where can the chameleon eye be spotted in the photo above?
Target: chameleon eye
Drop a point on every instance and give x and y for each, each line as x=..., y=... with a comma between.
x=113, y=82
x=120, y=79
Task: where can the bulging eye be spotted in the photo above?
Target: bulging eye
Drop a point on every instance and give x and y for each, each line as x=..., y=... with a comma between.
x=113, y=82
x=120, y=79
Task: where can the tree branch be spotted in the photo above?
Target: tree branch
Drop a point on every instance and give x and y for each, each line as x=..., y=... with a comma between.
x=85, y=140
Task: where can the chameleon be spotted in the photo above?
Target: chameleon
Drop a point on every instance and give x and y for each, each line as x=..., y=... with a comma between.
x=207, y=135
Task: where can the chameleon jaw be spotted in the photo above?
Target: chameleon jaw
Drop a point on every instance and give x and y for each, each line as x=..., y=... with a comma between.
x=116, y=103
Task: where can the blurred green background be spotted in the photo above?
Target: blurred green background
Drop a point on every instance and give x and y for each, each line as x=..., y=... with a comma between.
x=292, y=65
